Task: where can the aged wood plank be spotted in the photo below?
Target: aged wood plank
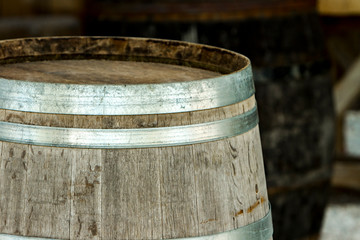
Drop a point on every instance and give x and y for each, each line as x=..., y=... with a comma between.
x=253, y=187
x=86, y=171
x=48, y=186
x=12, y=187
x=2, y=114
x=86, y=186
x=130, y=194
x=178, y=193
x=13, y=181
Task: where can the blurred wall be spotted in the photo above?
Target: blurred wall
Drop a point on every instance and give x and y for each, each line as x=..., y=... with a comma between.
x=35, y=18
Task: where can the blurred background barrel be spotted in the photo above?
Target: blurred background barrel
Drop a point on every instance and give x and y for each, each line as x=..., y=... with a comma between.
x=284, y=40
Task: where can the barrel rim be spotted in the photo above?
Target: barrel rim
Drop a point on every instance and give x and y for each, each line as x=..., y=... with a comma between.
x=110, y=99
x=157, y=40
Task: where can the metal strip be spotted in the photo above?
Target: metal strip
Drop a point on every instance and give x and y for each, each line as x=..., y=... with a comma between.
x=259, y=230
x=13, y=237
x=128, y=138
x=133, y=99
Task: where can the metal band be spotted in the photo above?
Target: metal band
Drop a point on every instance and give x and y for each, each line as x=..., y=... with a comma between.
x=259, y=230
x=13, y=237
x=128, y=138
x=133, y=99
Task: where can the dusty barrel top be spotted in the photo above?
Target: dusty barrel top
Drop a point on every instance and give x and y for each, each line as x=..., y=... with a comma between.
x=114, y=76
x=94, y=71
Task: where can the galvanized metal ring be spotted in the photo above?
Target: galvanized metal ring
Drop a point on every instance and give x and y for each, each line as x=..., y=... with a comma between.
x=259, y=230
x=130, y=99
x=128, y=138
x=133, y=99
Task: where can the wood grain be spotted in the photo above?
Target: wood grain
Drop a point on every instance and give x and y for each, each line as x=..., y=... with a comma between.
x=13, y=182
x=143, y=194
x=102, y=72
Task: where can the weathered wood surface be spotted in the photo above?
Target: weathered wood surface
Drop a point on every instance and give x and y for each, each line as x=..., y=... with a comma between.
x=101, y=72
x=149, y=193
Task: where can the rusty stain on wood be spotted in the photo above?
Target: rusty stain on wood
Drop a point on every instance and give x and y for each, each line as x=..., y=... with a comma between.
x=209, y=220
x=239, y=213
x=252, y=207
x=256, y=204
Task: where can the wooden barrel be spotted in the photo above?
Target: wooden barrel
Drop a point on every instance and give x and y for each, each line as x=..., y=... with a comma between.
x=129, y=138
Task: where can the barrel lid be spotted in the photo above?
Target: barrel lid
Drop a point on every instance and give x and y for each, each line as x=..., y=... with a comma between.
x=119, y=76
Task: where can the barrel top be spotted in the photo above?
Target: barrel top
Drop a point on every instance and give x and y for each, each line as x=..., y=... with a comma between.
x=123, y=49
x=113, y=60
x=103, y=71
x=119, y=75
